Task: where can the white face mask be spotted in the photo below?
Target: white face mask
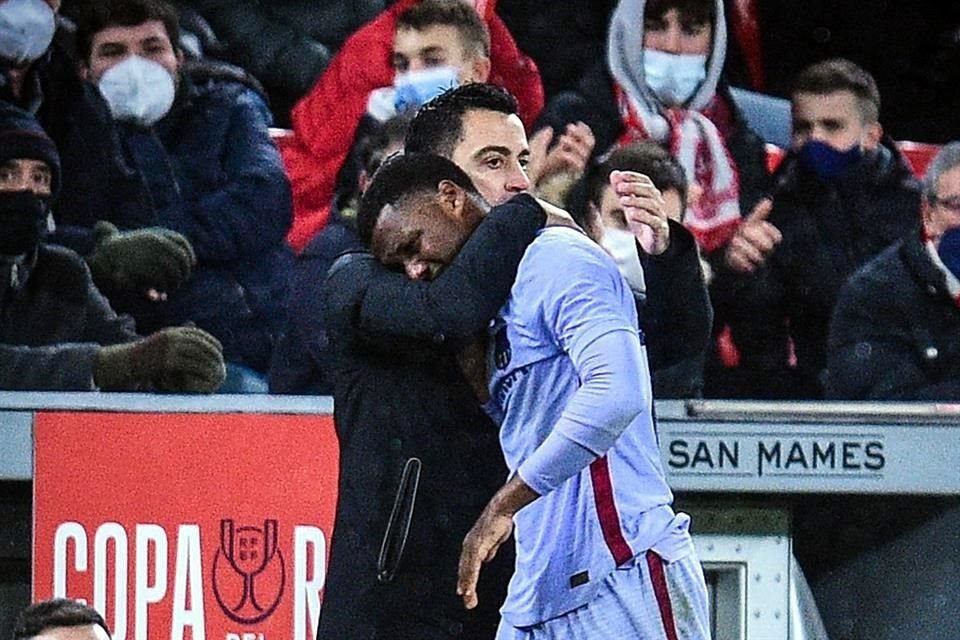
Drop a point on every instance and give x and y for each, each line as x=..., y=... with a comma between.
x=622, y=247
x=673, y=77
x=138, y=89
x=26, y=30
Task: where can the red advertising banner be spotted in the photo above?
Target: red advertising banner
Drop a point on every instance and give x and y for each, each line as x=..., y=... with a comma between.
x=186, y=525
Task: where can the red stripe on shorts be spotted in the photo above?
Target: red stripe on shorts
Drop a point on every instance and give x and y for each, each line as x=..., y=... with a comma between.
x=607, y=511
x=659, y=580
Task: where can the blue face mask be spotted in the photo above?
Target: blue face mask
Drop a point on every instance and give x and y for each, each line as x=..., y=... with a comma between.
x=827, y=162
x=415, y=88
x=673, y=77
x=949, y=250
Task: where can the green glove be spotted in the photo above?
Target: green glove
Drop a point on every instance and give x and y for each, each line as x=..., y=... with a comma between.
x=175, y=359
x=132, y=262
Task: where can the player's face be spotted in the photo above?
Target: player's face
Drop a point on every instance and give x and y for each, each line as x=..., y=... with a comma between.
x=494, y=153
x=831, y=118
x=86, y=632
x=422, y=234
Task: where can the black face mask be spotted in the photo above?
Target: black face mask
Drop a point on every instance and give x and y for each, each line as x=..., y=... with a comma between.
x=23, y=222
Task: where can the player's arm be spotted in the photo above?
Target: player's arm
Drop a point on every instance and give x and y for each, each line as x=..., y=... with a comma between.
x=605, y=348
x=376, y=302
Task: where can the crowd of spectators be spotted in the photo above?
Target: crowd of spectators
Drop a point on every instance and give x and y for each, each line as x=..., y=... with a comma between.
x=186, y=212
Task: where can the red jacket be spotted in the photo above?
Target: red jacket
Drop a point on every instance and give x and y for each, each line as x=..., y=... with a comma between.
x=325, y=120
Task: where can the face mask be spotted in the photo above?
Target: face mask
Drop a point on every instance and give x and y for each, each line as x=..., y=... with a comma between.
x=138, y=89
x=622, y=247
x=415, y=88
x=949, y=250
x=673, y=77
x=827, y=162
x=26, y=30
x=23, y=221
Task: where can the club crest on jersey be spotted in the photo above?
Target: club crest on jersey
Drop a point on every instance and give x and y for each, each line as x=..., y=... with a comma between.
x=501, y=349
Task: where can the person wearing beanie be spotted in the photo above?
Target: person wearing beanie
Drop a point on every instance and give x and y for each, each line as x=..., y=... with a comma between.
x=57, y=331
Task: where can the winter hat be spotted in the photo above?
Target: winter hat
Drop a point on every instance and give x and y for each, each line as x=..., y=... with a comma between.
x=21, y=136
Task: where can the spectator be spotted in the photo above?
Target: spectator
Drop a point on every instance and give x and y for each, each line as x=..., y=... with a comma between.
x=662, y=81
x=301, y=359
x=674, y=317
x=895, y=333
x=153, y=145
x=477, y=127
x=284, y=44
x=325, y=121
x=60, y=619
x=843, y=194
x=59, y=333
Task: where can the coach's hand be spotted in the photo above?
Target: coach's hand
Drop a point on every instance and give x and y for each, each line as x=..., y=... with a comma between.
x=491, y=530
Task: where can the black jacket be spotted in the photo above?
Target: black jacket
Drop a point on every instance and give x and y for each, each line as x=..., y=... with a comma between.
x=53, y=323
x=895, y=334
x=829, y=231
x=402, y=403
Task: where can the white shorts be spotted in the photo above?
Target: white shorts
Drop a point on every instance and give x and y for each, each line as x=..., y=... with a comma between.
x=649, y=600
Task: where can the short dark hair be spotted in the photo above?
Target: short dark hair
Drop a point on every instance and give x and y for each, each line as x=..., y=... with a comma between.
x=838, y=74
x=647, y=158
x=695, y=11
x=438, y=126
x=58, y=612
x=99, y=15
x=401, y=176
x=474, y=36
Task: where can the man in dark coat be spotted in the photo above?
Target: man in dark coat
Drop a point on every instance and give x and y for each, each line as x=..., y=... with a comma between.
x=153, y=145
x=842, y=195
x=57, y=332
x=895, y=333
x=418, y=455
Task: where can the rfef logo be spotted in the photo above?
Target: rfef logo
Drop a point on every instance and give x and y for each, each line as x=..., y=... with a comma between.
x=248, y=558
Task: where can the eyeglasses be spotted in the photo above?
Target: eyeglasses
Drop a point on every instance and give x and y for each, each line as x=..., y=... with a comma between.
x=951, y=203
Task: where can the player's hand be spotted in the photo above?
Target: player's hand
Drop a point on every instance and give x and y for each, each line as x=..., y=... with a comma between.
x=570, y=154
x=490, y=531
x=754, y=241
x=643, y=210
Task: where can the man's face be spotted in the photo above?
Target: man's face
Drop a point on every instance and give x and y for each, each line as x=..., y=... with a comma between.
x=115, y=44
x=677, y=34
x=87, y=632
x=26, y=175
x=944, y=212
x=437, y=45
x=423, y=233
x=834, y=119
x=494, y=153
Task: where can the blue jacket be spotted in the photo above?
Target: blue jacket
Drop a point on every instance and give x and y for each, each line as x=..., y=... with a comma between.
x=208, y=170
